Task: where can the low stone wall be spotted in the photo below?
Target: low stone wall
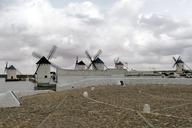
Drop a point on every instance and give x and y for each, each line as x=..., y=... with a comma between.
x=68, y=72
x=77, y=81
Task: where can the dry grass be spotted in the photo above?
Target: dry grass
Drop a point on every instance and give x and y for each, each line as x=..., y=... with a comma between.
x=171, y=107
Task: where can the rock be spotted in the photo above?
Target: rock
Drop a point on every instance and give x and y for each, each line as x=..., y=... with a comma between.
x=92, y=88
x=146, y=108
x=85, y=94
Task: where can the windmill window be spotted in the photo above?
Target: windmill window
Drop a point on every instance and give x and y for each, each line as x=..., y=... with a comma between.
x=45, y=76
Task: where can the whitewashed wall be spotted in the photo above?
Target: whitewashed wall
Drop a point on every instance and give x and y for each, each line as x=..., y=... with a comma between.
x=80, y=67
x=119, y=66
x=11, y=74
x=77, y=81
x=99, y=66
x=68, y=72
x=44, y=70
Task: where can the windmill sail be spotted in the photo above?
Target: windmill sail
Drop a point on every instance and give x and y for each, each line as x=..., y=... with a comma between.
x=6, y=66
x=95, y=60
x=52, y=51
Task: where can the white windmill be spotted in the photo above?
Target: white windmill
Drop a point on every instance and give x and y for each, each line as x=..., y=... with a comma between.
x=79, y=65
x=96, y=62
x=11, y=73
x=43, y=75
x=179, y=65
x=118, y=64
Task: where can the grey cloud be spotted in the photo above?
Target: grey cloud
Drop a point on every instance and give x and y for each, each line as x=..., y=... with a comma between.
x=160, y=24
x=183, y=33
x=25, y=28
x=177, y=33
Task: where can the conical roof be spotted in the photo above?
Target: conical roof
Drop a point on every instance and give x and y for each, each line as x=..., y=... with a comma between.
x=180, y=61
x=98, y=61
x=11, y=68
x=43, y=60
x=119, y=63
x=81, y=63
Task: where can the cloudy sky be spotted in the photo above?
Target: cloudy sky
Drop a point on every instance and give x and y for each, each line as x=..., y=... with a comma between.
x=143, y=33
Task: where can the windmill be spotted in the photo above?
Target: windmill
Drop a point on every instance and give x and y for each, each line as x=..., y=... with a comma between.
x=118, y=64
x=96, y=63
x=179, y=64
x=79, y=65
x=42, y=72
x=116, y=60
x=11, y=73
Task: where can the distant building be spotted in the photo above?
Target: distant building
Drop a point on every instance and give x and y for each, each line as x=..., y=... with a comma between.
x=11, y=73
x=179, y=66
x=80, y=66
x=119, y=65
x=99, y=64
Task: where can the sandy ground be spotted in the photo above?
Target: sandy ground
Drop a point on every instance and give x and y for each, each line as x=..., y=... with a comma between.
x=106, y=107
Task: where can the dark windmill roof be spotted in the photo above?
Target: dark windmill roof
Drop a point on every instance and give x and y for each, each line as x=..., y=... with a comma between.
x=81, y=63
x=119, y=63
x=179, y=61
x=11, y=68
x=98, y=61
x=43, y=60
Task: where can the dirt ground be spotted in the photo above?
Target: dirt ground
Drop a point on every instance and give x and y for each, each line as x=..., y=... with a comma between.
x=105, y=107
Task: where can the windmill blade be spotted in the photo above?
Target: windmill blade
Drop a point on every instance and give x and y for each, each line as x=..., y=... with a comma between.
x=126, y=65
x=106, y=66
x=179, y=58
x=97, y=55
x=188, y=67
x=6, y=66
x=174, y=65
x=88, y=55
x=94, y=66
x=175, y=62
x=117, y=60
x=36, y=55
x=55, y=66
x=174, y=59
x=89, y=66
x=37, y=69
x=114, y=61
x=92, y=62
x=52, y=51
x=77, y=59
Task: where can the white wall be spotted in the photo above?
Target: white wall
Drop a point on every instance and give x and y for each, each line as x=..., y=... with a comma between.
x=100, y=66
x=44, y=70
x=68, y=72
x=11, y=74
x=79, y=81
x=179, y=68
x=80, y=67
x=119, y=66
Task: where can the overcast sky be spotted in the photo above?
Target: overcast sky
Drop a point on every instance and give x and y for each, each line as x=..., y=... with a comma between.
x=144, y=33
